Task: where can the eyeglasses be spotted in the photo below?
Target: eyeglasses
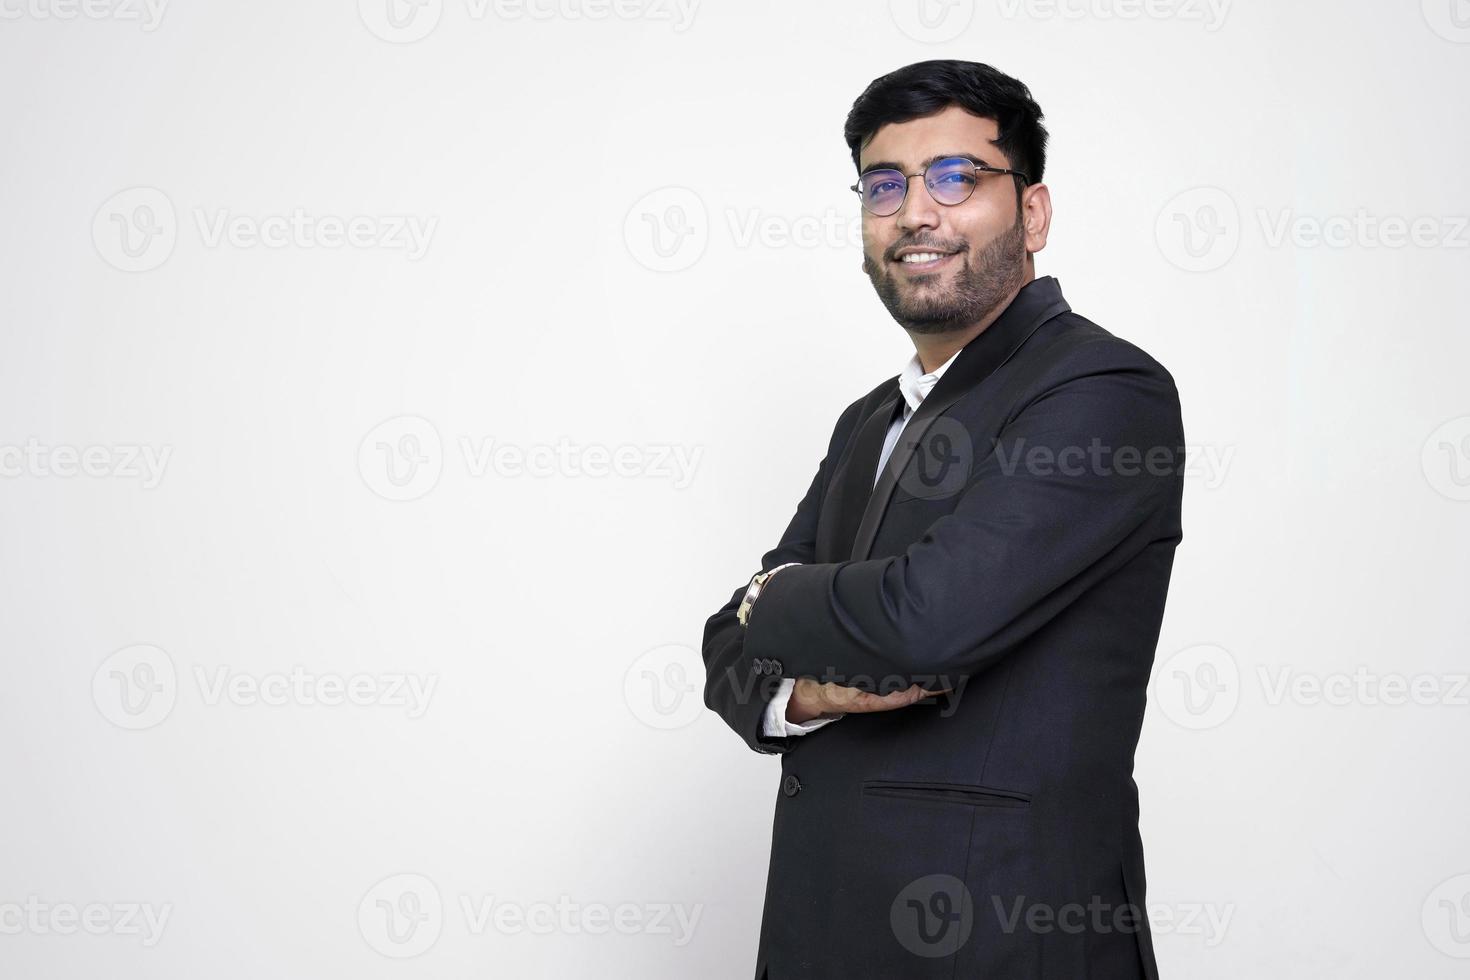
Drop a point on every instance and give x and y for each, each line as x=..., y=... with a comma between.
x=950, y=181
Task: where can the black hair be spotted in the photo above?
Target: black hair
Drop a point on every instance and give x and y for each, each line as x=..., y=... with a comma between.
x=927, y=87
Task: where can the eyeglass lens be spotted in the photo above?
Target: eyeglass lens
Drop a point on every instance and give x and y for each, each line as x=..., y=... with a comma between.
x=950, y=181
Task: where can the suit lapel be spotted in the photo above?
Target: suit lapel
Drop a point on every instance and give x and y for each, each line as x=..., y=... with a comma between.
x=1038, y=301
x=852, y=486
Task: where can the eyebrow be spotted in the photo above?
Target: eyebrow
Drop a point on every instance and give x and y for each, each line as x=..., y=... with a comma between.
x=923, y=164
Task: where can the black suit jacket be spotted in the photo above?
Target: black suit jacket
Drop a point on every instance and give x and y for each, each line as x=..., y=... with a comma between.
x=1016, y=549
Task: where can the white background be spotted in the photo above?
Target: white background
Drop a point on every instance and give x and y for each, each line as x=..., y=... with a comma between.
x=638, y=240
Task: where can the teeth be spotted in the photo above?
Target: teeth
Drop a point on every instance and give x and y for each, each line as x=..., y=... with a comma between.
x=921, y=257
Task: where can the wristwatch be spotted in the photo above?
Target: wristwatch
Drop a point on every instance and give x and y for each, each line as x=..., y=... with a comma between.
x=757, y=582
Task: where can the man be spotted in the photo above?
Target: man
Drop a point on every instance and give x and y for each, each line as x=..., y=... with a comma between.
x=952, y=654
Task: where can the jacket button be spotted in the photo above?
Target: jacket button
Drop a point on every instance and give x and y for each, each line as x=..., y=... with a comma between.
x=791, y=786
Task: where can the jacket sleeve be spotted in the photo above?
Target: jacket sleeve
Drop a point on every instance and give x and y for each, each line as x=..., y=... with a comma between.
x=1082, y=477
x=733, y=687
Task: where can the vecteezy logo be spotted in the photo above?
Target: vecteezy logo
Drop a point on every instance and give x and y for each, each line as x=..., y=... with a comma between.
x=932, y=21
x=1450, y=19
x=136, y=687
x=942, y=461
x=660, y=687
x=135, y=230
x=1446, y=917
x=401, y=916
x=402, y=458
x=667, y=229
x=1446, y=459
x=1199, y=230
x=933, y=916
x=1198, y=687
x=401, y=21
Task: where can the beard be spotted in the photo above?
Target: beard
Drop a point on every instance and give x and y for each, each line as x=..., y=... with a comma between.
x=981, y=284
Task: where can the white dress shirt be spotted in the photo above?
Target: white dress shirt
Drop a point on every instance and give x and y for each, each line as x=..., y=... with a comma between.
x=914, y=385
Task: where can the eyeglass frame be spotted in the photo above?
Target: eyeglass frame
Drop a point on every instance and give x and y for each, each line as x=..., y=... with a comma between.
x=975, y=164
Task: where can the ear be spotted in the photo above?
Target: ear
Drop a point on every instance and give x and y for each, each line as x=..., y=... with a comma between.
x=1036, y=216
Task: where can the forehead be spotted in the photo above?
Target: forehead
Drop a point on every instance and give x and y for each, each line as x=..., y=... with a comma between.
x=950, y=130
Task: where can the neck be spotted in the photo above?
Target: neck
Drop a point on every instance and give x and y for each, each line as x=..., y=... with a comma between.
x=936, y=348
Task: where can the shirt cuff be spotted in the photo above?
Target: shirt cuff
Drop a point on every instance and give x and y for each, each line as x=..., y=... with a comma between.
x=774, y=723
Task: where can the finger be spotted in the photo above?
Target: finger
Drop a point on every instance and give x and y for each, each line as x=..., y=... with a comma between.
x=887, y=702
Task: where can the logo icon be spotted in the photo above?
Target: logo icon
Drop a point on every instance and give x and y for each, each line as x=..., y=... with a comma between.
x=933, y=916
x=1446, y=917
x=1450, y=19
x=401, y=21
x=1198, y=687
x=943, y=459
x=402, y=458
x=401, y=916
x=135, y=230
x=1199, y=230
x=1446, y=459
x=661, y=689
x=932, y=21
x=667, y=230
x=136, y=687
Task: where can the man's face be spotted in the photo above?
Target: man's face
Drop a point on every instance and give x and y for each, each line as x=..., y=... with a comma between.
x=983, y=240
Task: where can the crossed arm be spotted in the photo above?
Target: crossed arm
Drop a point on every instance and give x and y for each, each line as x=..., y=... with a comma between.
x=1079, y=481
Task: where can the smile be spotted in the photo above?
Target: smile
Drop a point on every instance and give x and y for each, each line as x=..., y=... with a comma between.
x=924, y=261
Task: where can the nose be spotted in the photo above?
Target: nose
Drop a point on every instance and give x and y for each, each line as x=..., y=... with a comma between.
x=919, y=209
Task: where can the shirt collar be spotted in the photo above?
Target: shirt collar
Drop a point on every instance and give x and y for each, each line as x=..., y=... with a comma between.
x=915, y=384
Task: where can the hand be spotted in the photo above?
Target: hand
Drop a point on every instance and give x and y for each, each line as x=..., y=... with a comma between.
x=811, y=699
